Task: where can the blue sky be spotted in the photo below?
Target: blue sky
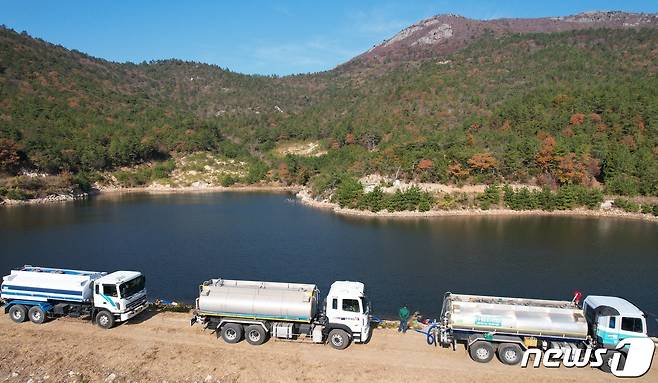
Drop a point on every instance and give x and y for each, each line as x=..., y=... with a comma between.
x=265, y=37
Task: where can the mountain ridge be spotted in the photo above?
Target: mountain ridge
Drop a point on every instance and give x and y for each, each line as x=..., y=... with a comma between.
x=443, y=34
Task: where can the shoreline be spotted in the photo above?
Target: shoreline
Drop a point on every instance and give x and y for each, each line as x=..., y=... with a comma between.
x=302, y=195
x=195, y=189
x=59, y=198
x=53, y=198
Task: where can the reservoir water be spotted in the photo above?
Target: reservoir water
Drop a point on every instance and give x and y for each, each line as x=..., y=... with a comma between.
x=180, y=240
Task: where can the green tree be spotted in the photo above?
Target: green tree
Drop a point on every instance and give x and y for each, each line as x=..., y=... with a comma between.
x=491, y=196
x=9, y=156
x=349, y=192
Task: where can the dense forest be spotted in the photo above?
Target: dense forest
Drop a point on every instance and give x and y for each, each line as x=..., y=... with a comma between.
x=562, y=109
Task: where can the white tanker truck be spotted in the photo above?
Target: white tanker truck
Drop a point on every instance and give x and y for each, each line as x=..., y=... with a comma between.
x=258, y=310
x=507, y=326
x=39, y=293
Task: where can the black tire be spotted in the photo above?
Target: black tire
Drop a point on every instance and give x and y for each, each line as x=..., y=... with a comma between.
x=339, y=339
x=481, y=351
x=18, y=313
x=255, y=335
x=607, y=361
x=105, y=320
x=510, y=353
x=232, y=332
x=36, y=315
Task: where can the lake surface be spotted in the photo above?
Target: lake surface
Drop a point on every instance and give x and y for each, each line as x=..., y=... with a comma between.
x=180, y=240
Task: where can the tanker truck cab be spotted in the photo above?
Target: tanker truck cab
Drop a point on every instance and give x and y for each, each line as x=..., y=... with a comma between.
x=348, y=308
x=612, y=319
x=122, y=294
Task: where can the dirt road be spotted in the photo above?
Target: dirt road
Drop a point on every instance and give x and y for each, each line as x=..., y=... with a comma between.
x=164, y=348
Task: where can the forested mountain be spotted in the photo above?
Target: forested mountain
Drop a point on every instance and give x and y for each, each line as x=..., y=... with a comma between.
x=577, y=106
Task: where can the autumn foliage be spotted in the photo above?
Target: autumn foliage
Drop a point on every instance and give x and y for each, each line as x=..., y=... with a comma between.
x=483, y=162
x=457, y=171
x=577, y=119
x=570, y=170
x=573, y=170
x=547, y=151
x=595, y=118
x=425, y=164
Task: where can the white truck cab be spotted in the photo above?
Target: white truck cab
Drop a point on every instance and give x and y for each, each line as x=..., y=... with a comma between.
x=613, y=319
x=122, y=293
x=348, y=307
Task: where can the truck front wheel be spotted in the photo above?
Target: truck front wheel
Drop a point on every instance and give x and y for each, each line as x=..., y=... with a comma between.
x=339, y=339
x=255, y=335
x=607, y=361
x=481, y=351
x=510, y=353
x=232, y=332
x=105, y=320
x=18, y=313
x=36, y=315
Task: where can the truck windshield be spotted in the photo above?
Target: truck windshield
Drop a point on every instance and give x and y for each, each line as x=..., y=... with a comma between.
x=132, y=287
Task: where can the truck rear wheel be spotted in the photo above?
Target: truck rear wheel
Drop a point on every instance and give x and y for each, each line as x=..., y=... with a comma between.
x=255, y=335
x=232, y=332
x=481, y=351
x=339, y=339
x=510, y=353
x=18, y=313
x=36, y=315
x=105, y=320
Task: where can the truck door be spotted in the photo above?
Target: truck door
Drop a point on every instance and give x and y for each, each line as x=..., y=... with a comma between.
x=607, y=330
x=365, y=319
x=345, y=311
x=351, y=313
x=632, y=327
x=106, y=297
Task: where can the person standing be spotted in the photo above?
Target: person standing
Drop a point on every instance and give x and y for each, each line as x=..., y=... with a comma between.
x=404, y=319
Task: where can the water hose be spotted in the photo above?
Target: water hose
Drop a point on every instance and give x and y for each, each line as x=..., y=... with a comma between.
x=431, y=334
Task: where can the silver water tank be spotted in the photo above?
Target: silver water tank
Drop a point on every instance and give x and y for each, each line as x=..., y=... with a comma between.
x=258, y=300
x=521, y=316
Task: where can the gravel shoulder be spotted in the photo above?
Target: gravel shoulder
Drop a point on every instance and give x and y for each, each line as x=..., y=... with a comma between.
x=163, y=347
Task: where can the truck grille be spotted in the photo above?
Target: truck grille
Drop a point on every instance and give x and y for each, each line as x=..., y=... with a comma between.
x=136, y=303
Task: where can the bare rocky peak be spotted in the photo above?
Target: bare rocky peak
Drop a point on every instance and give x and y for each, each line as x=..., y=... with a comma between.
x=444, y=34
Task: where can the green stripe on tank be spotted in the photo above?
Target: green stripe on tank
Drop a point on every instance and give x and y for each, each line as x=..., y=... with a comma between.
x=256, y=316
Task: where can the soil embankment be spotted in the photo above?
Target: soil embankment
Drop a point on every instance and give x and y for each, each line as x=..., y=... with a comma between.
x=164, y=348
